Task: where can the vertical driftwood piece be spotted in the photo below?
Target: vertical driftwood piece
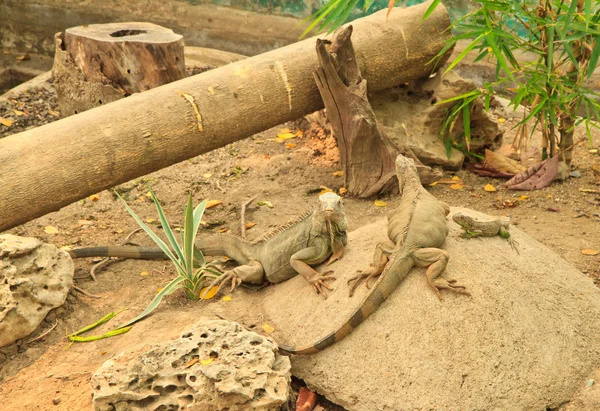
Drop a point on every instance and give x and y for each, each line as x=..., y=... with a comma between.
x=366, y=154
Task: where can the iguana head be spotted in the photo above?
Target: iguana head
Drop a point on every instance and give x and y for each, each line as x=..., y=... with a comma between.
x=406, y=171
x=330, y=203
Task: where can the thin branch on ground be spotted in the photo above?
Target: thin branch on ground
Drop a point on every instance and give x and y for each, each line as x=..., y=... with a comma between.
x=43, y=334
x=243, y=216
x=82, y=291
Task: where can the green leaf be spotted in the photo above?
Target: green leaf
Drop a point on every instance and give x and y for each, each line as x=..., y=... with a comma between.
x=172, y=286
x=166, y=227
x=491, y=39
x=188, y=237
x=342, y=17
x=321, y=14
x=594, y=57
x=467, y=124
x=368, y=4
x=431, y=9
x=550, y=56
x=464, y=53
x=460, y=97
x=153, y=236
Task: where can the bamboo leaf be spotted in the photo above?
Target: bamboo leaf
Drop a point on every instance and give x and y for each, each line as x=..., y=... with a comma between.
x=594, y=57
x=464, y=53
x=467, y=124
x=431, y=9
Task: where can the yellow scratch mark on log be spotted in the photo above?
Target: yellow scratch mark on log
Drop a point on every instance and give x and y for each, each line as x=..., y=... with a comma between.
x=404, y=38
x=283, y=74
x=195, y=107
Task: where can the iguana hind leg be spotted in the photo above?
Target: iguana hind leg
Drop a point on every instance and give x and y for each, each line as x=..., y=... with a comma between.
x=252, y=272
x=381, y=257
x=436, y=261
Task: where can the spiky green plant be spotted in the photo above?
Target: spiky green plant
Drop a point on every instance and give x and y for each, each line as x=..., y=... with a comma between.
x=192, y=269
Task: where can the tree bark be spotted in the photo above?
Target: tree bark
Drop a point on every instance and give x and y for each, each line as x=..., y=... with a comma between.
x=366, y=154
x=46, y=168
x=100, y=63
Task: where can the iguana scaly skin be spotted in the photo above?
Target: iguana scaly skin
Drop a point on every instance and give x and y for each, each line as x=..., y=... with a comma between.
x=279, y=255
x=485, y=228
x=415, y=230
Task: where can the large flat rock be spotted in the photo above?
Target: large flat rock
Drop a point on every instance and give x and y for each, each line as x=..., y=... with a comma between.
x=526, y=338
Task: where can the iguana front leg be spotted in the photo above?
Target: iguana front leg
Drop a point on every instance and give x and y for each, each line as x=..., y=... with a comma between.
x=338, y=247
x=436, y=261
x=381, y=257
x=252, y=272
x=312, y=255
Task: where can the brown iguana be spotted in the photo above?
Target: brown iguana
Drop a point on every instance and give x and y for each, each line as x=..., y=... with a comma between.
x=277, y=256
x=415, y=230
x=485, y=228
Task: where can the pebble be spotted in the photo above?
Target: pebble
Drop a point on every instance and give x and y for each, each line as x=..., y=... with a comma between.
x=56, y=401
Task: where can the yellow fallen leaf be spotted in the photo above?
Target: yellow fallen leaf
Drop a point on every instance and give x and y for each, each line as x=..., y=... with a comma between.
x=211, y=293
x=290, y=145
x=550, y=195
x=593, y=151
x=343, y=190
x=250, y=224
x=18, y=113
x=226, y=298
x=150, y=220
x=207, y=361
x=50, y=229
x=267, y=328
x=148, y=194
x=523, y=198
x=456, y=187
x=589, y=251
x=299, y=133
x=6, y=121
x=489, y=188
x=284, y=136
x=159, y=289
x=265, y=203
x=223, y=230
x=456, y=178
x=207, y=175
x=435, y=183
x=338, y=173
x=213, y=203
x=54, y=113
x=103, y=352
x=501, y=120
x=379, y=203
x=191, y=362
x=211, y=89
x=94, y=197
x=489, y=50
x=144, y=273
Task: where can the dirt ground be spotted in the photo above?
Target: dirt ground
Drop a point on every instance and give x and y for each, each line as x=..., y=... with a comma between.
x=44, y=374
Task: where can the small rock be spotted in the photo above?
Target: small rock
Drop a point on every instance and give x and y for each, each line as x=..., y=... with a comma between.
x=576, y=174
x=56, y=401
x=590, y=383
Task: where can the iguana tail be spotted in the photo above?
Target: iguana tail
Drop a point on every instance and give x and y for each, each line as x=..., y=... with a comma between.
x=213, y=245
x=396, y=270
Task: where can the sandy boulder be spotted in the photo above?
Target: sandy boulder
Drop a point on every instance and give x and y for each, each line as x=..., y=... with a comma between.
x=526, y=338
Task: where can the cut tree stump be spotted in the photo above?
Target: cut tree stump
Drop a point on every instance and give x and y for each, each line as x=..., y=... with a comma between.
x=49, y=167
x=101, y=63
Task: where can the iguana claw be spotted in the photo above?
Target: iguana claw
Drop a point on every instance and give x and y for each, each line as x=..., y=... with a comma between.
x=221, y=281
x=318, y=284
x=358, y=279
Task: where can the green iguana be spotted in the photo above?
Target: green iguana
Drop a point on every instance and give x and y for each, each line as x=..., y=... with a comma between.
x=490, y=227
x=415, y=230
x=279, y=255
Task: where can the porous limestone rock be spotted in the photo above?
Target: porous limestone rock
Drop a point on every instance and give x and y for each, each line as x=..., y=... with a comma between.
x=34, y=278
x=214, y=365
x=527, y=338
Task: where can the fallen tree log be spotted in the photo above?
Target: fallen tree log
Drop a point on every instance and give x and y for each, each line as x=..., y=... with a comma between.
x=46, y=168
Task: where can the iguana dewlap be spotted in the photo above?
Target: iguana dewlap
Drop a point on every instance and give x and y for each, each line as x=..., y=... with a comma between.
x=279, y=255
x=416, y=230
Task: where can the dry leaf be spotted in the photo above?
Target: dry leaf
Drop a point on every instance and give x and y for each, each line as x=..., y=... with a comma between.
x=307, y=399
x=250, y=224
x=267, y=328
x=226, y=298
x=299, y=133
x=497, y=161
x=212, y=203
x=144, y=273
x=379, y=203
x=453, y=180
x=456, y=187
x=343, y=190
x=6, y=121
x=150, y=220
x=489, y=188
x=54, y=113
x=50, y=229
x=338, y=173
x=284, y=136
x=456, y=178
x=211, y=293
x=265, y=203
x=191, y=362
x=435, y=183
x=593, y=151
x=207, y=361
x=522, y=198
x=501, y=120
x=94, y=197
x=207, y=175
x=18, y=113
x=589, y=251
x=536, y=177
x=481, y=170
x=23, y=57
x=223, y=230
x=290, y=145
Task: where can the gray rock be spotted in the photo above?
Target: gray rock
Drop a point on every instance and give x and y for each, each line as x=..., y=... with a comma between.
x=246, y=372
x=34, y=278
x=526, y=339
